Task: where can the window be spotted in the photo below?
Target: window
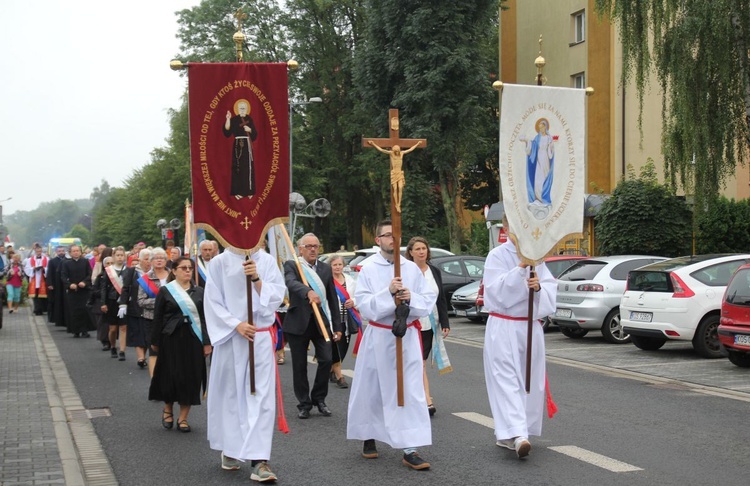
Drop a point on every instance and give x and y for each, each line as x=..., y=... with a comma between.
x=717, y=275
x=451, y=268
x=578, y=81
x=579, y=27
x=475, y=268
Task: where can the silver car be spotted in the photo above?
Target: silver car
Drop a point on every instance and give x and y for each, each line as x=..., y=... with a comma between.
x=589, y=293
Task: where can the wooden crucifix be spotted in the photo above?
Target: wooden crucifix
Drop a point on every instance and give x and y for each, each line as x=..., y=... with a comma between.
x=393, y=146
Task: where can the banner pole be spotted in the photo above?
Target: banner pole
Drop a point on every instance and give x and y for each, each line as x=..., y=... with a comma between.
x=315, y=308
x=251, y=344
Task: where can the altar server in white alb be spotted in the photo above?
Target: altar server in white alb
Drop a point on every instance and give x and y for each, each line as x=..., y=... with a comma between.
x=507, y=281
x=240, y=425
x=374, y=413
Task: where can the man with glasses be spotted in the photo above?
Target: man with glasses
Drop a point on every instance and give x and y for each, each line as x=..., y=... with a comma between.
x=301, y=326
x=373, y=413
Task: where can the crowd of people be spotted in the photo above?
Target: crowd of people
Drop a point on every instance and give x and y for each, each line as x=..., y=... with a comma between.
x=175, y=311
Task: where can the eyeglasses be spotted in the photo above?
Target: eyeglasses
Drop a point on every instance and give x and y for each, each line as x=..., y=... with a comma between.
x=187, y=269
x=311, y=247
x=386, y=235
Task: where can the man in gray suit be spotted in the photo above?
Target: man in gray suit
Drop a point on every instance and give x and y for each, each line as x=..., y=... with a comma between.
x=301, y=326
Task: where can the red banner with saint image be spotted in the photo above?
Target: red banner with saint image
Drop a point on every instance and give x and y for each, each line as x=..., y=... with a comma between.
x=239, y=149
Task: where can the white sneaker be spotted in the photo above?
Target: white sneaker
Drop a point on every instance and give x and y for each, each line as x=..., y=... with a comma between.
x=229, y=463
x=522, y=447
x=507, y=443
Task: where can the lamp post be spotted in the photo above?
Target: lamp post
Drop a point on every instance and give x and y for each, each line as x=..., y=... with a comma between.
x=8, y=199
x=292, y=104
x=168, y=227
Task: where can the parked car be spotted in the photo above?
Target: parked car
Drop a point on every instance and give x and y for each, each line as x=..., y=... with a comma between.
x=458, y=270
x=734, y=325
x=556, y=265
x=355, y=265
x=679, y=299
x=465, y=304
x=589, y=294
x=346, y=255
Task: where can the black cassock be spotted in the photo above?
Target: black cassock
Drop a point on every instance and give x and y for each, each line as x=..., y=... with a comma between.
x=77, y=318
x=56, y=296
x=243, y=173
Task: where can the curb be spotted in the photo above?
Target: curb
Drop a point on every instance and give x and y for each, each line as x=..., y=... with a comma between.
x=83, y=459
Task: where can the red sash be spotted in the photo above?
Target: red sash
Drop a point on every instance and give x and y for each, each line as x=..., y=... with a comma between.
x=280, y=416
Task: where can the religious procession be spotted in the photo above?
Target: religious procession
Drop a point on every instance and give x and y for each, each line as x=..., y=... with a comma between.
x=394, y=242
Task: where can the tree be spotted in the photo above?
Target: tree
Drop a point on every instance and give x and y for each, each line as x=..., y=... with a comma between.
x=644, y=217
x=724, y=228
x=430, y=59
x=699, y=51
x=79, y=231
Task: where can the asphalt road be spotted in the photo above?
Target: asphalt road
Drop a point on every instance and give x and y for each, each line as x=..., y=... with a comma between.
x=612, y=428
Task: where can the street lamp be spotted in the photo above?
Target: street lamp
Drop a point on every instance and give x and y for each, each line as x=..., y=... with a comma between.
x=292, y=104
x=172, y=226
x=5, y=200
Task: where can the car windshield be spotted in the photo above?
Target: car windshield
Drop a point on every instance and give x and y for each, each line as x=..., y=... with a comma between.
x=583, y=270
x=738, y=292
x=647, y=281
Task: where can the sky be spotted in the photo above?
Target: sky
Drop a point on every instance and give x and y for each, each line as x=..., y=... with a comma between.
x=85, y=87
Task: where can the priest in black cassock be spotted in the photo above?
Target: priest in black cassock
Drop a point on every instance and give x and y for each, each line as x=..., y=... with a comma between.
x=55, y=289
x=76, y=277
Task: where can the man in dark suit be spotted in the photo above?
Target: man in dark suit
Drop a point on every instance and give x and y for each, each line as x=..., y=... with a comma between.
x=301, y=325
x=55, y=288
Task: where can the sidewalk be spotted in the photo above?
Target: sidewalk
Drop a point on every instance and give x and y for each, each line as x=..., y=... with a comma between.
x=46, y=436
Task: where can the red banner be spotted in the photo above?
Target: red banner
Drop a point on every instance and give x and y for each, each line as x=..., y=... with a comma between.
x=239, y=149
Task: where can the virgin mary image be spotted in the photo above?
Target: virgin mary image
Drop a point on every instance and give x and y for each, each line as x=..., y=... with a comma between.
x=540, y=159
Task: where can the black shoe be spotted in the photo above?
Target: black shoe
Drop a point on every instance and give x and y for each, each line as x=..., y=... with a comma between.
x=113, y=353
x=369, y=451
x=332, y=378
x=431, y=408
x=85, y=334
x=415, y=462
x=106, y=347
x=122, y=356
x=304, y=414
x=75, y=335
x=341, y=383
x=141, y=363
x=323, y=409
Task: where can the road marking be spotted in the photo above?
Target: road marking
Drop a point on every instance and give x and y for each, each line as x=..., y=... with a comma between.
x=345, y=372
x=595, y=459
x=477, y=418
x=575, y=452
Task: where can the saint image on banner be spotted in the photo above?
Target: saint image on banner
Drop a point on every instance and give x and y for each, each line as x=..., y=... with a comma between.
x=540, y=159
x=241, y=127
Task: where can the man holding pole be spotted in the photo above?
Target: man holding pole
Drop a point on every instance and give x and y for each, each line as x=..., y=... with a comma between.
x=507, y=285
x=374, y=413
x=303, y=324
x=240, y=424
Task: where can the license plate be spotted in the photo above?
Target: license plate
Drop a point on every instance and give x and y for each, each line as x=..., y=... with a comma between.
x=742, y=339
x=641, y=316
x=461, y=313
x=564, y=313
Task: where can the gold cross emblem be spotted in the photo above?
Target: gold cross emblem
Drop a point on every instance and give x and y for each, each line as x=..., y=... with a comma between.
x=536, y=234
x=246, y=223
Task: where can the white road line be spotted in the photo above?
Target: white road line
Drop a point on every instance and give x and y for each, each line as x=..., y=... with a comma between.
x=477, y=418
x=345, y=372
x=595, y=459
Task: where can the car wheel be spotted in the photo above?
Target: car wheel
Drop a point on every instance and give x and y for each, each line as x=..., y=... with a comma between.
x=647, y=343
x=739, y=358
x=706, y=340
x=573, y=333
x=612, y=328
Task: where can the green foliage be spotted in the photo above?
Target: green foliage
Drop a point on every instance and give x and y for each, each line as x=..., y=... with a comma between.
x=48, y=220
x=432, y=61
x=644, y=217
x=478, y=243
x=699, y=51
x=724, y=227
x=80, y=231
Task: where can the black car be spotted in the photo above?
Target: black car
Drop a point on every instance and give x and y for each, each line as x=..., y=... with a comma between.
x=458, y=270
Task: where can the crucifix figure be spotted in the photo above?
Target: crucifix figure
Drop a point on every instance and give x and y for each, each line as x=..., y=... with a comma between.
x=392, y=146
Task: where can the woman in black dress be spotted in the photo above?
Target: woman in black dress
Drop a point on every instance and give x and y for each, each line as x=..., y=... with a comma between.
x=180, y=338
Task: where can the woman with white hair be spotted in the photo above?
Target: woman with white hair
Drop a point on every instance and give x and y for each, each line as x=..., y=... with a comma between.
x=148, y=287
x=129, y=307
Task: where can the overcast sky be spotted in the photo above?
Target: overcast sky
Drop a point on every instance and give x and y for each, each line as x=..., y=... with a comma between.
x=85, y=86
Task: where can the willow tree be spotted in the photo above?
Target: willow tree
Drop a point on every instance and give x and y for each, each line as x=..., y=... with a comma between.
x=699, y=52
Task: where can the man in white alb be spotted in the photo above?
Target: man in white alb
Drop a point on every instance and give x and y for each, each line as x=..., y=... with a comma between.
x=374, y=413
